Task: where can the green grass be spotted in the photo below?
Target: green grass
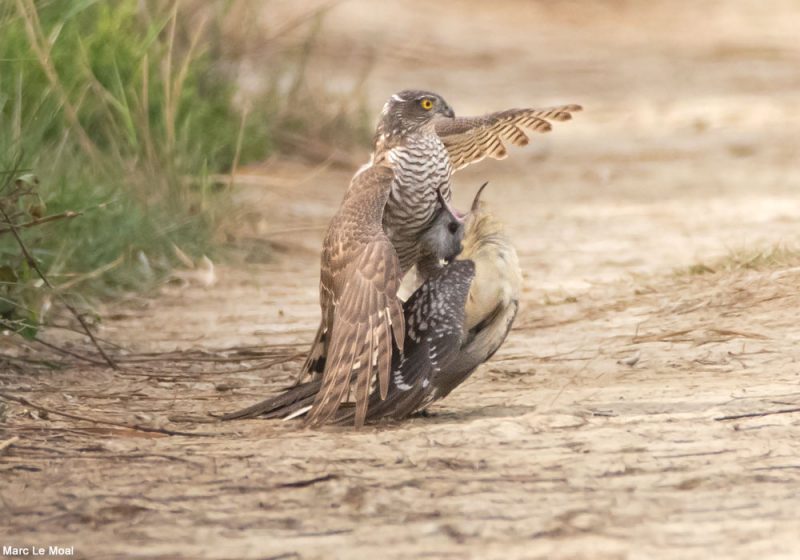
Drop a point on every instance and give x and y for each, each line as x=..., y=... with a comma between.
x=121, y=110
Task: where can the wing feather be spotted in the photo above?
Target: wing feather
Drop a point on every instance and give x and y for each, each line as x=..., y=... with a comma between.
x=343, y=360
x=481, y=344
x=365, y=376
x=471, y=139
x=367, y=314
x=384, y=356
x=434, y=317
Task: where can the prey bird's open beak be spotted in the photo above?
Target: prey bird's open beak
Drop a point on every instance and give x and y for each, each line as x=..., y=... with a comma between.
x=446, y=205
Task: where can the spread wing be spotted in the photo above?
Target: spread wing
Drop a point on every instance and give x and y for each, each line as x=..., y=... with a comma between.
x=365, y=318
x=470, y=139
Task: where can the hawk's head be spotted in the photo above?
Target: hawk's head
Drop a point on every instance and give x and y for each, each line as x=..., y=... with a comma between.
x=410, y=110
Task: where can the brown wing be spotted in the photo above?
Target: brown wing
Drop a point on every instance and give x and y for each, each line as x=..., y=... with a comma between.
x=470, y=139
x=336, y=254
x=365, y=318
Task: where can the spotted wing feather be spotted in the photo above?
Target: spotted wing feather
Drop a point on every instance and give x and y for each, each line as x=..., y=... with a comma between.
x=479, y=346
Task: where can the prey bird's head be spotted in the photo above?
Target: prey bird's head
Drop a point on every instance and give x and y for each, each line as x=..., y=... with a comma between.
x=442, y=240
x=411, y=110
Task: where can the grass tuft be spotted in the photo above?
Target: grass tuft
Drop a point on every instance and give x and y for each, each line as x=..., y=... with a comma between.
x=114, y=117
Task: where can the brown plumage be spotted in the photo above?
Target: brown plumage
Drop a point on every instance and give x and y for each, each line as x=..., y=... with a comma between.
x=470, y=139
x=419, y=143
x=358, y=294
x=404, y=137
x=455, y=321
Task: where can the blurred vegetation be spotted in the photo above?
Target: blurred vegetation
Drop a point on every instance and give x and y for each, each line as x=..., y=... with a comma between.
x=115, y=116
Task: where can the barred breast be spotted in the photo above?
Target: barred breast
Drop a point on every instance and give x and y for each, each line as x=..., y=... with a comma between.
x=421, y=166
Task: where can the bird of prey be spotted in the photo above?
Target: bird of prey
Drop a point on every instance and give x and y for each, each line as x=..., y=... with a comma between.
x=423, y=142
x=360, y=270
x=426, y=158
x=455, y=321
x=359, y=279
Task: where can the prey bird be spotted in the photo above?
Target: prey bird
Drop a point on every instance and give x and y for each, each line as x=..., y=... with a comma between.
x=421, y=140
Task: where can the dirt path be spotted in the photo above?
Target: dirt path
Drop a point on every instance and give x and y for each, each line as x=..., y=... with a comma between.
x=611, y=423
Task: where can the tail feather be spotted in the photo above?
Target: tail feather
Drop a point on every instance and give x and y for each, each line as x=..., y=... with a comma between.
x=279, y=405
x=296, y=409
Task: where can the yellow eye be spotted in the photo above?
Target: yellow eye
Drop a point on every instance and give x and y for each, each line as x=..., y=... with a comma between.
x=426, y=104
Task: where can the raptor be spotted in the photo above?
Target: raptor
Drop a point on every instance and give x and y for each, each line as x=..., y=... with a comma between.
x=359, y=279
x=422, y=141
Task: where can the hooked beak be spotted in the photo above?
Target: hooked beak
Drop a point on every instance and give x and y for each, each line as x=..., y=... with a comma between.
x=448, y=112
x=456, y=214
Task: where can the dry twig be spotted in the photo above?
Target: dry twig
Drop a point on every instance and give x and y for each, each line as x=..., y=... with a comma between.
x=46, y=219
x=136, y=427
x=32, y=262
x=8, y=442
x=758, y=414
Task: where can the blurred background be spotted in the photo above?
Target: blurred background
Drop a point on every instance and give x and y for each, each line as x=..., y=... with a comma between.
x=138, y=137
x=170, y=168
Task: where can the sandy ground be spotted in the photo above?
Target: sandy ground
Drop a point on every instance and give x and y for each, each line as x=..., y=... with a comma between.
x=636, y=411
